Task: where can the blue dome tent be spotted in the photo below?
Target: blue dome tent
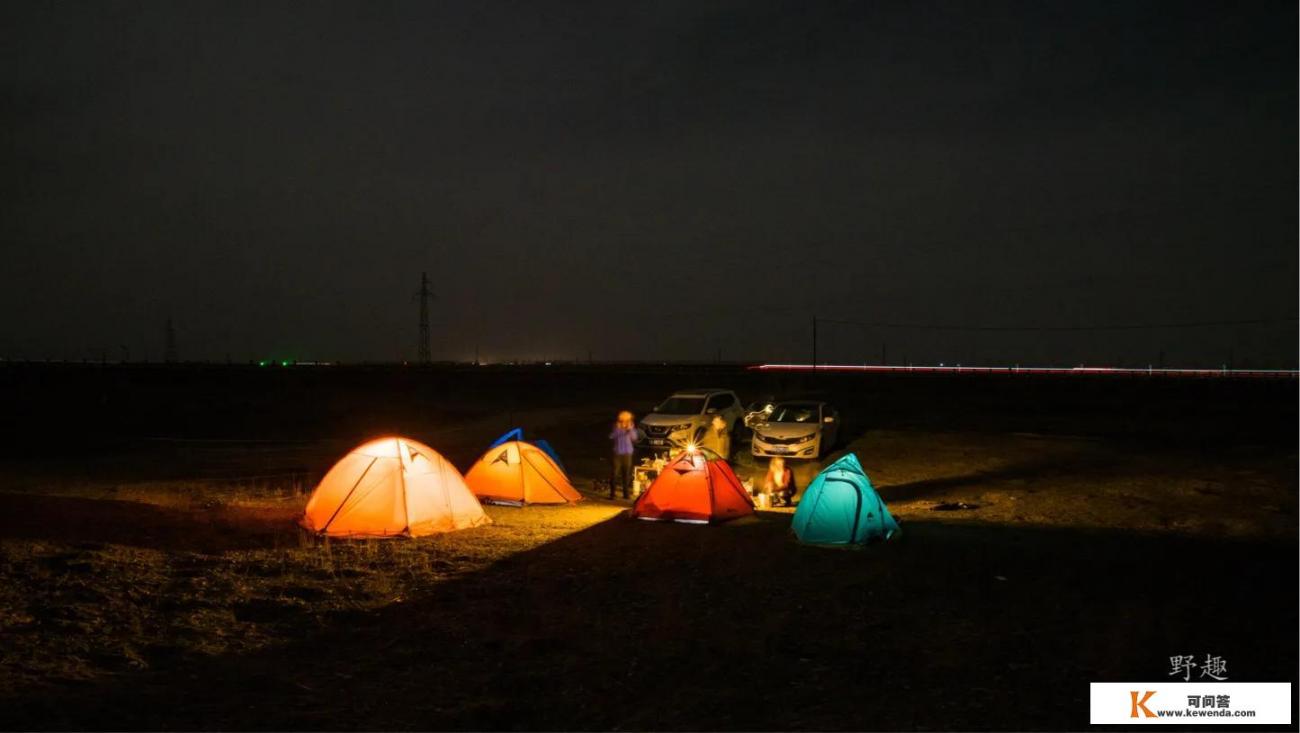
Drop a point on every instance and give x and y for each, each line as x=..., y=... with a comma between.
x=840, y=507
x=518, y=434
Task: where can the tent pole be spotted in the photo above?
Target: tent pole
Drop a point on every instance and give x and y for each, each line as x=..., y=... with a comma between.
x=349, y=496
x=523, y=476
x=814, y=343
x=404, y=457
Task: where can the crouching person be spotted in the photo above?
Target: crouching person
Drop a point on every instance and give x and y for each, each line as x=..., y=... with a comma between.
x=624, y=436
x=779, y=483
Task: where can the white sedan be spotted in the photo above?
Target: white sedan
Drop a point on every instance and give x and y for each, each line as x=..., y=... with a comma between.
x=796, y=430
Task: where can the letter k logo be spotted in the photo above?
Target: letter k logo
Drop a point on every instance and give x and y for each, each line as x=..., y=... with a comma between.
x=1141, y=704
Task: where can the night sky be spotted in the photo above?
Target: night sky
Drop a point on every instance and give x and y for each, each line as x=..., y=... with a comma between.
x=649, y=181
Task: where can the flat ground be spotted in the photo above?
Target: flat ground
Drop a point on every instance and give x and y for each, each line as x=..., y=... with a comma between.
x=152, y=575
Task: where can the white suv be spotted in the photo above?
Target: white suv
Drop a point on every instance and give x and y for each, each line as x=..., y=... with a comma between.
x=683, y=417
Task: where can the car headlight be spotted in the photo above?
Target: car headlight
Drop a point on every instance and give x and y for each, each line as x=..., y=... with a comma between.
x=808, y=438
x=677, y=428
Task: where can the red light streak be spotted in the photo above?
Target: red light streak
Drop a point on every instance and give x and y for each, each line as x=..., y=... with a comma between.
x=1055, y=371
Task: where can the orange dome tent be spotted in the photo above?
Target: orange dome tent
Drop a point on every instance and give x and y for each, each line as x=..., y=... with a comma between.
x=517, y=472
x=695, y=489
x=389, y=487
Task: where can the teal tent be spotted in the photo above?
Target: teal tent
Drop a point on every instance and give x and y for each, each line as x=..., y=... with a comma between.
x=840, y=507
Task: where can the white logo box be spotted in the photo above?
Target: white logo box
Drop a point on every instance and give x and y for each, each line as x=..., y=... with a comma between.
x=1249, y=703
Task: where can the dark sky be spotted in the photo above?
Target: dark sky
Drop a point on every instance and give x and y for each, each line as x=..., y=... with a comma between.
x=649, y=180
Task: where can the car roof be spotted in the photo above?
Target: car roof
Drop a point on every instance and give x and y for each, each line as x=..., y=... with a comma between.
x=808, y=403
x=700, y=392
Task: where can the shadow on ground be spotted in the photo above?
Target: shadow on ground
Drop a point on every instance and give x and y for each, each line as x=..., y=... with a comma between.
x=81, y=520
x=1022, y=471
x=631, y=625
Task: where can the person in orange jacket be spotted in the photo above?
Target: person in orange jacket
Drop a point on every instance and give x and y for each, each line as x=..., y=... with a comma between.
x=779, y=482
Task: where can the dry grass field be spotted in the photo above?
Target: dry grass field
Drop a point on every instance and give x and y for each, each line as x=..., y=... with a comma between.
x=136, y=597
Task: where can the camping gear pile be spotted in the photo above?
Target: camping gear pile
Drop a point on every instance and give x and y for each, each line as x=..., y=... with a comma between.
x=644, y=473
x=398, y=487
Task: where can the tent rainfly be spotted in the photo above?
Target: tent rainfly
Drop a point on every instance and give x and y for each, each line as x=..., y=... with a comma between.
x=695, y=489
x=840, y=507
x=518, y=434
x=519, y=473
x=392, y=487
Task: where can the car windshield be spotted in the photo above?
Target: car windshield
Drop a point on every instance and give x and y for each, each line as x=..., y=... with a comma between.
x=794, y=413
x=682, y=406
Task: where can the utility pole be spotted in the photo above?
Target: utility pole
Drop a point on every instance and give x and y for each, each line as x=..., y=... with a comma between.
x=814, y=344
x=169, y=342
x=424, y=356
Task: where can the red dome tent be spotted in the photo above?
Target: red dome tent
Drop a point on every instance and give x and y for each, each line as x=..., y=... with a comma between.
x=696, y=490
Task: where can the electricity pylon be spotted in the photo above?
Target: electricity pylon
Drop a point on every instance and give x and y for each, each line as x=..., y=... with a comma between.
x=425, y=296
x=169, y=345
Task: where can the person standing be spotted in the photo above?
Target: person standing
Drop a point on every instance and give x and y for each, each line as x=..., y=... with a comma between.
x=779, y=482
x=717, y=438
x=624, y=436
